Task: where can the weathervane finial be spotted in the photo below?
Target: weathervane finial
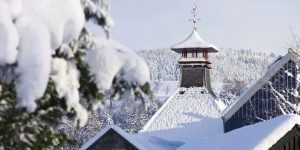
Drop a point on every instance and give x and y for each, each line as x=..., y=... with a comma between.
x=195, y=13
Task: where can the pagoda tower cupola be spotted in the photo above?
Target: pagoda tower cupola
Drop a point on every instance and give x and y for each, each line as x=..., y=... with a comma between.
x=194, y=62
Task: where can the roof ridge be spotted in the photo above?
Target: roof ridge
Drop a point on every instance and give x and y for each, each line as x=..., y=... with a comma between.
x=159, y=111
x=178, y=95
x=246, y=94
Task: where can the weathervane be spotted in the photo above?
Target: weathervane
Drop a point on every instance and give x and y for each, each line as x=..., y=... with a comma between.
x=195, y=13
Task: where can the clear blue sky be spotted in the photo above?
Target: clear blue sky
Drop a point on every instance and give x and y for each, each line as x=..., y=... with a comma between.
x=262, y=25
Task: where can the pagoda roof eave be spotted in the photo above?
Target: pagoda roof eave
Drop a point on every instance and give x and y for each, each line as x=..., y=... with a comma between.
x=199, y=49
x=194, y=42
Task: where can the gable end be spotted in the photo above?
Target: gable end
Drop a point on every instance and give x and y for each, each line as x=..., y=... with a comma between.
x=112, y=140
x=290, y=141
x=258, y=102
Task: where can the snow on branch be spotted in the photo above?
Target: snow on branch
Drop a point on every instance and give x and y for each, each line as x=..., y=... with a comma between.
x=109, y=59
x=42, y=38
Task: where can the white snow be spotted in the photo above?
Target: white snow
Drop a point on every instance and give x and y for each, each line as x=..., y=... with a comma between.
x=65, y=76
x=109, y=59
x=163, y=89
x=33, y=61
x=63, y=19
x=194, y=41
x=139, y=141
x=68, y=22
x=9, y=39
x=59, y=76
x=183, y=118
x=250, y=90
x=104, y=11
x=288, y=73
x=155, y=143
x=183, y=114
x=30, y=31
x=14, y=7
x=253, y=137
x=220, y=104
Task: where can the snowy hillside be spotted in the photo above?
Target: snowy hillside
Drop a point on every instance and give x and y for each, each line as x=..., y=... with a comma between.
x=231, y=69
x=228, y=64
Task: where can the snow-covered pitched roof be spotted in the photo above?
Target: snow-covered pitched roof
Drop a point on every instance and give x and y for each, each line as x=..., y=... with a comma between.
x=247, y=94
x=190, y=113
x=258, y=136
x=194, y=41
x=103, y=131
x=139, y=141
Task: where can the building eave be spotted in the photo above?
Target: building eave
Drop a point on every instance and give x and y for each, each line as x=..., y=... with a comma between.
x=105, y=130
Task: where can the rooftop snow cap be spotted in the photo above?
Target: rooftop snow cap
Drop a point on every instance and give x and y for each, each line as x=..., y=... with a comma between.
x=194, y=42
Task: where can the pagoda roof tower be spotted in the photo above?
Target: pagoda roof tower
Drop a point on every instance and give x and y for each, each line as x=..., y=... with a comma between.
x=194, y=62
x=194, y=42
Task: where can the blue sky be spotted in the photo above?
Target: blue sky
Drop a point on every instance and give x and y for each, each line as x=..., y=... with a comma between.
x=261, y=25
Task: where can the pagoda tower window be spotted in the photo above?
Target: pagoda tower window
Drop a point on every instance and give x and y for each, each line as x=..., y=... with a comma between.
x=184, y=54
x=205, y=55
x=194, y=54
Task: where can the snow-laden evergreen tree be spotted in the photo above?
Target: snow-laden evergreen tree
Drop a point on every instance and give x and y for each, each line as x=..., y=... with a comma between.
x=52, y=67
x=112, y=114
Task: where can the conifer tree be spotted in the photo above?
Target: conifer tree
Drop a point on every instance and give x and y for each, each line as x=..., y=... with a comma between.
x=23, y=129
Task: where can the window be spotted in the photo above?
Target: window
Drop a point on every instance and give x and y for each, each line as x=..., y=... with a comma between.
x=205, y=55
x=184, y=54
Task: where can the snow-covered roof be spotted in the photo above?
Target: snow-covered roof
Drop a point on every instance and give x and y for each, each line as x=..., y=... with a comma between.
x=139, y=141
x=248, y=93
x=258, y=136
x=190, y=113
x=194, y=41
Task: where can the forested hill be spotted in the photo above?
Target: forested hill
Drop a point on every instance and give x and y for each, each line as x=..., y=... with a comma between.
x=228, y=65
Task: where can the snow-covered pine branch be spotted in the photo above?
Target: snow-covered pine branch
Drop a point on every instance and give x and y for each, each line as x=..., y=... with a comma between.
x=50, y=64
